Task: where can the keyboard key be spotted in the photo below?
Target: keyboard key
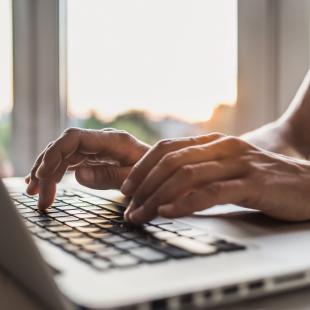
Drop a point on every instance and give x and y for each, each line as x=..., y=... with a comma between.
x=85, y=215
x=31, y=214
x=59, y=241
x=93, y=247
x=148, y=255
x=124, y=261
x=36, y=229
x=57, y=214
x=108, y=252
x=113, y=207
x=25, y=210
x=160, y=221
x=45, y=234
x=113, y=239
x=164, y=235
x=192, y=233
x=228, y=246
x=88, y=229
x=100, y=264
x=68, y=219
x=151, y=229
x=61, y=228
x=173, y=251
x=81, y=241
x=192, y=246
x=125, y=245
x=71, y=247
x=48, y=223
x=77, y=224
x=87, y=256
x=206, y=238
x=99, y=235
x=175, y=227
x=66, y=208
x=96, y=220
x=70, y=234
x=75, y=211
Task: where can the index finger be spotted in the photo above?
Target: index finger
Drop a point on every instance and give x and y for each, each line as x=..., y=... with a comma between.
x=155, y=154
x=117, y=144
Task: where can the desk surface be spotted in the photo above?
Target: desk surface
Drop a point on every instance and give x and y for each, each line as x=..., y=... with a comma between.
x=12, y=297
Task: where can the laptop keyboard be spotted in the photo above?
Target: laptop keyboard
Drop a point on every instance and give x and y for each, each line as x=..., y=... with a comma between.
x=93, y=230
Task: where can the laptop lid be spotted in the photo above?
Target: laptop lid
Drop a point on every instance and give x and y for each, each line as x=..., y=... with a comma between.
x=21, y=259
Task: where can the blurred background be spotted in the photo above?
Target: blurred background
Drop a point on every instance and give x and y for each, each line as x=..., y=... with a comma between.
x=157, y=69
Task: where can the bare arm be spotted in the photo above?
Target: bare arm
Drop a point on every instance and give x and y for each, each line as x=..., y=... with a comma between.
x=290, y=134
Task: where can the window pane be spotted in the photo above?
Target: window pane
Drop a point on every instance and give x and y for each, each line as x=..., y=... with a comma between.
x=5, y=84
x=155, y=68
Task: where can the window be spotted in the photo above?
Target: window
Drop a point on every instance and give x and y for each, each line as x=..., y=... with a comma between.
x=6, y=84
x=155, y=68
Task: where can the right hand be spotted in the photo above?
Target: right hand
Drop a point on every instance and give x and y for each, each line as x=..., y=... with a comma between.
x=101, y=159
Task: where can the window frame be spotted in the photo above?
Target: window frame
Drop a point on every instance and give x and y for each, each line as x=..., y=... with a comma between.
x=39, y=47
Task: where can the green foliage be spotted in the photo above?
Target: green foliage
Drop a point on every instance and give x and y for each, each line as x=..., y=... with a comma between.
x=135, y=122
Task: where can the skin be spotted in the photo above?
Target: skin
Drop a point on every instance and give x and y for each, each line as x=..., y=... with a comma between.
x=177, y=177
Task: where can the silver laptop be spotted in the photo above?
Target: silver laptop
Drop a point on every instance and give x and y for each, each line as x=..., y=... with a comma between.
x=81, y=255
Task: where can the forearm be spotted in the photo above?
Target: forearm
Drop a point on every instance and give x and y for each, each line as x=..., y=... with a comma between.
x=290, y=134
x=274, y=137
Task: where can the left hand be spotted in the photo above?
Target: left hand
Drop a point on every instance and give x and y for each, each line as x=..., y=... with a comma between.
x=224, y=170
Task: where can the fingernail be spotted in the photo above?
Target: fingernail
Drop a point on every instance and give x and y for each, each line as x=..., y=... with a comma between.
x=87, y=174
x=127, y=187
x=128, y=210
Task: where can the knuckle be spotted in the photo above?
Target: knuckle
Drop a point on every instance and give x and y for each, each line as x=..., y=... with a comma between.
x=71, y=131
x=214, y=190
x=124, y=135
x=216, y=135
x=162, y=145
x=188, y=172
x=169, y=160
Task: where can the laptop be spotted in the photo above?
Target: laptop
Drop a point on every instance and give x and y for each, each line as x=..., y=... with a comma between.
x=81, y=254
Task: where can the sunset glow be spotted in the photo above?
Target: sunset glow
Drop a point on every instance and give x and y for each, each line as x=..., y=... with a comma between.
x=168, y=57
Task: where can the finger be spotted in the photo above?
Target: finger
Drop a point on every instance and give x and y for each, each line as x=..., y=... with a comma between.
x=168, y=165
x=47, y=192
x=236, y=191
x=184, y=181
x=31, y=179
x=117, y=144
x=101, y=177
x=155, y=154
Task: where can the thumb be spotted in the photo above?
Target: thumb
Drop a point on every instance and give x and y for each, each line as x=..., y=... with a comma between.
x=102, y=177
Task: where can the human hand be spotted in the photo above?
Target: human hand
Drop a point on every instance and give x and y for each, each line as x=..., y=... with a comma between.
x=173, y=180
x=101, y=159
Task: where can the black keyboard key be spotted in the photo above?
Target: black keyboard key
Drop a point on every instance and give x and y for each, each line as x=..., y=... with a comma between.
x=45, y=234
x=172, y=251
x=71, y=234
x=148, y=255
x=77, y=224
x=113, y=207
x=124, y=261
x=67, y=219
x=100, y=264
x=160, y=221
x=228, y=246
x=61, y=228
x=108, y=252
x=126, y=245
x=59, y=241
x=113, y=239
x=88, y=229
x=175, y=227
